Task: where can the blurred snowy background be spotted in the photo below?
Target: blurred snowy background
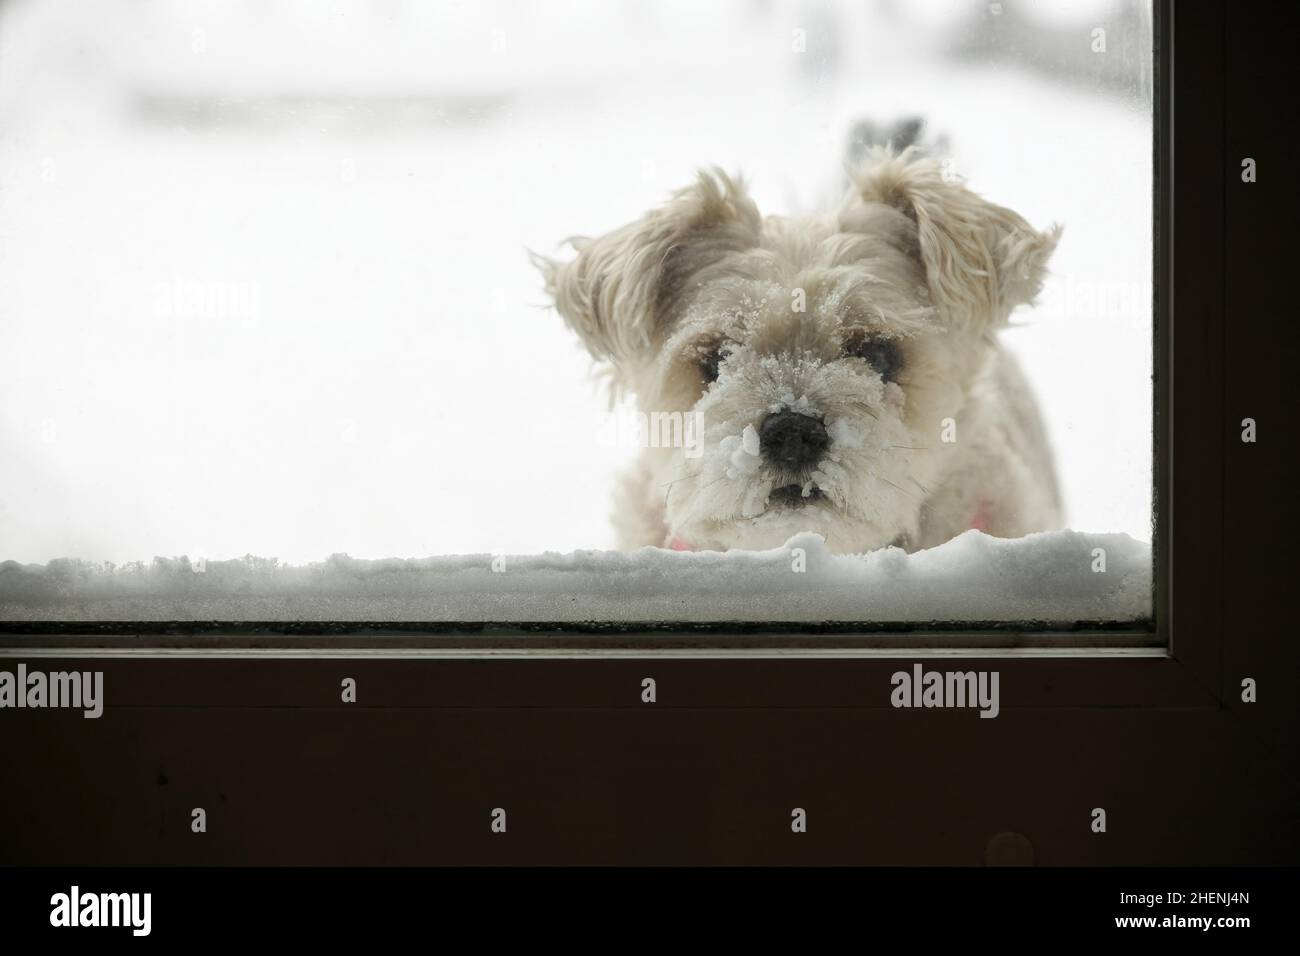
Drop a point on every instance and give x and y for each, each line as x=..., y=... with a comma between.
x=263, y=280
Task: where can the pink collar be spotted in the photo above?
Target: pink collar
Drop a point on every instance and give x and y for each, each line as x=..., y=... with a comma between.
x=983, y=516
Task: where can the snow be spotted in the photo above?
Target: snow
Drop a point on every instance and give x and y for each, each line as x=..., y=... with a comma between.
x=1047, y=577
x=743, y=457
x=844, y=433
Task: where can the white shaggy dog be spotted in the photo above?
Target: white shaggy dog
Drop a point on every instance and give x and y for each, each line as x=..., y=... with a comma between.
x=844, y=370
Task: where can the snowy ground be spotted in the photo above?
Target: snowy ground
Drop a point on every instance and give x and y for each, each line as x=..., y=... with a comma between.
x=1053, y=577
x=263, y=282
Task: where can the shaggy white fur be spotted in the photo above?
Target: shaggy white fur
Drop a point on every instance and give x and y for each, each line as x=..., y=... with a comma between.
x=845, y=367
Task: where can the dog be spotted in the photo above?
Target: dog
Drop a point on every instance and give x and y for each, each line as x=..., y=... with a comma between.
x=843, y=370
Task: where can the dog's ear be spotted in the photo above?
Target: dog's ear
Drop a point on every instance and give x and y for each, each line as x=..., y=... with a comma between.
x=980, y=259
x=619, y=293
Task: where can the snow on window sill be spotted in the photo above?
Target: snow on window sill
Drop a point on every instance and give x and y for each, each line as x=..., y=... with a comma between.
x=1048, y=577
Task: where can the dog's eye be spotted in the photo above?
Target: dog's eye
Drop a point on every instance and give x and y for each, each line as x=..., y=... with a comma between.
x=709, y=363
x=883, y=355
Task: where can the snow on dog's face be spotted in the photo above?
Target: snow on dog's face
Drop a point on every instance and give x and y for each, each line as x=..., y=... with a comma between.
x=821, y=355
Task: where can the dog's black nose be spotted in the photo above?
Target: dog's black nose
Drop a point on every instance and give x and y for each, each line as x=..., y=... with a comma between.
x=793, y=440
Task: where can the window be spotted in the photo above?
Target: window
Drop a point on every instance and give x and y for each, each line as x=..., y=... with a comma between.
x=290, y=333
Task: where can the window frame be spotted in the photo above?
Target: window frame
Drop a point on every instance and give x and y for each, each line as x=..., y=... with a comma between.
x=1176, y=655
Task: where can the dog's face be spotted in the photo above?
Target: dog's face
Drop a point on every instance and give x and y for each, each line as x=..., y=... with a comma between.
x=821, y=356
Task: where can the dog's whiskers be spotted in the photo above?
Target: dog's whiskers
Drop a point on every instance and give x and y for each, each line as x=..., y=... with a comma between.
x=899, y=487
x=668, y=486
x=673, y=481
